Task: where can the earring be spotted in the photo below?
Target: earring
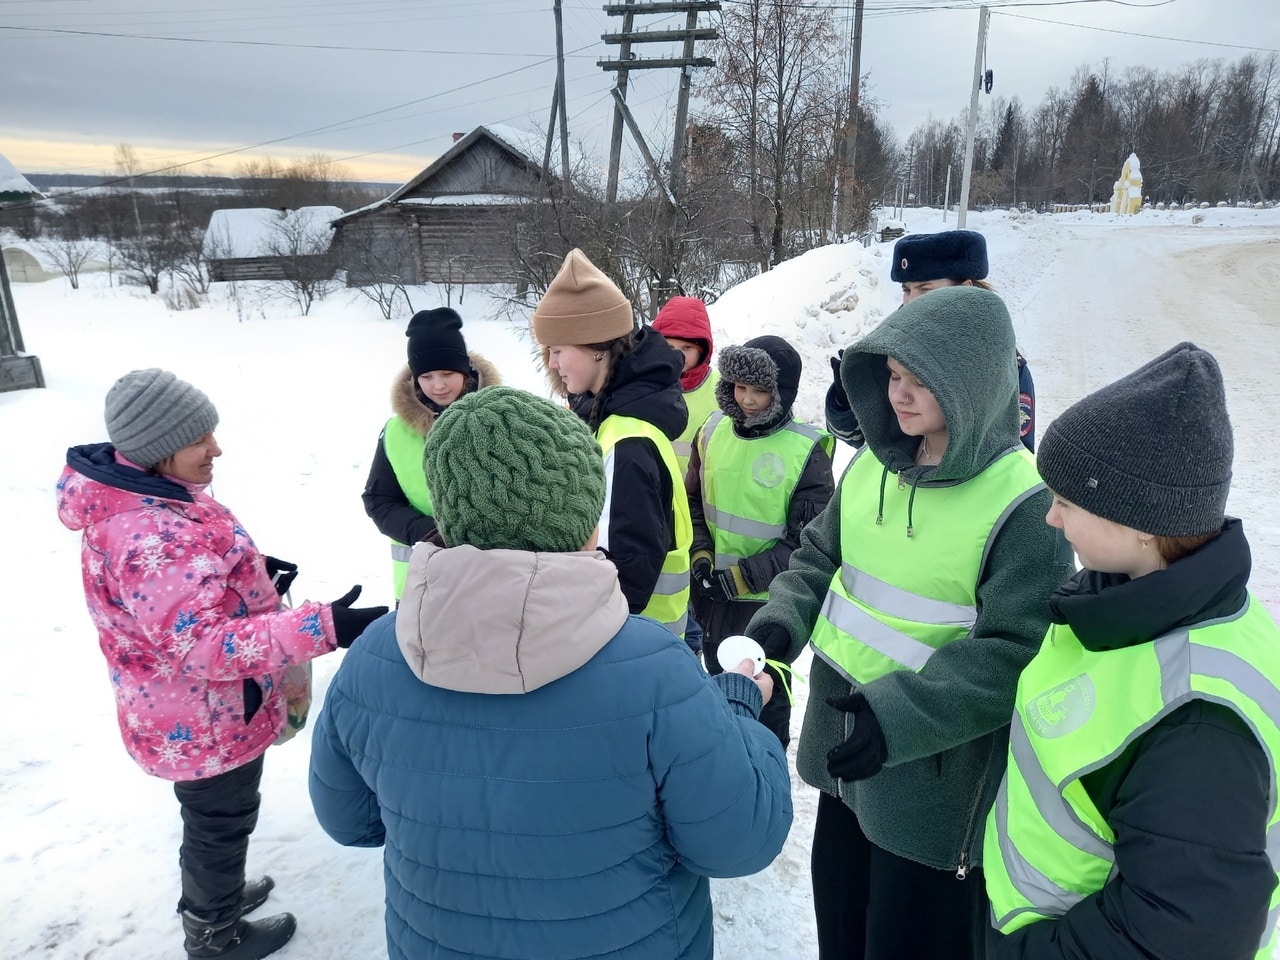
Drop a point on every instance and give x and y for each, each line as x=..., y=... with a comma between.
x=599, y=357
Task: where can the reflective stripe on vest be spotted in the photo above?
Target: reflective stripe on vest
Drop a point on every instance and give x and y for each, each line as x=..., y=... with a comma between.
x=403, y=448
x=669, y=601
x=1046, y=846
x=747, y=486
x=701, y=401
x=896, y=599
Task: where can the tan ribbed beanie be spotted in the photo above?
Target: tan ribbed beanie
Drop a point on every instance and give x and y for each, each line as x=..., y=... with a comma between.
x=581, y=306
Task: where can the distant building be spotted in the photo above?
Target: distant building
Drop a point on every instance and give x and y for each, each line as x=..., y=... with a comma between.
x=260, y=243
x=457, y=221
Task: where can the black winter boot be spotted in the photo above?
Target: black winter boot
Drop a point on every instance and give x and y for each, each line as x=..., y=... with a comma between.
x=236, y=939
x=255, y=895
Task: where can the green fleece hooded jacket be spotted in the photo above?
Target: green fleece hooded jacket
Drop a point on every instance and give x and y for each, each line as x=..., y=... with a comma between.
x=946, y=726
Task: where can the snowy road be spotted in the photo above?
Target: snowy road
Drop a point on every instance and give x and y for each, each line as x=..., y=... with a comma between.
x=1112, y=304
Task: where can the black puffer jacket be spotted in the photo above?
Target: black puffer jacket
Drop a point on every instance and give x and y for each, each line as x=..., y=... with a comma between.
x=638, y=529
x=1188, y=800
x=384, y=499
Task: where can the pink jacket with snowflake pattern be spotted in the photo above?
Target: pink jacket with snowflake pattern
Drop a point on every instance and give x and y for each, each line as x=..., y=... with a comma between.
x=185, y=614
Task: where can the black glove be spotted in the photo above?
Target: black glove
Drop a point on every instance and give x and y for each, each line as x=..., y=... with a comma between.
x=773, y=639
x=726, y=584
x=701, y=572
x=349, y=622
x=837, y=395
x=864, y=753
x=281, y=572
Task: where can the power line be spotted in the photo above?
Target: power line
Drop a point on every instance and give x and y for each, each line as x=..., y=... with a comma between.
x=269, y=43
x=1147, y=36
x=326, y=127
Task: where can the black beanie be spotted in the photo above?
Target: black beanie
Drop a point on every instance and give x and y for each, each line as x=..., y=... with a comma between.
x=435, y=342
x=1151, y=451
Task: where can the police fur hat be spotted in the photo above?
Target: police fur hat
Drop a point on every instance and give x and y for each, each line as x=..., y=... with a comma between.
x=950, y=255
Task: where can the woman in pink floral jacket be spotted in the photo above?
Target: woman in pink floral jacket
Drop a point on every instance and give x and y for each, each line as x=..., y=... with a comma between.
x=197, y=642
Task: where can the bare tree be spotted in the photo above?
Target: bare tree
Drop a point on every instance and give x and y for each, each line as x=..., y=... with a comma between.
x=69, y=256
x=774, y=91
x=378, y=262
x=302, y=243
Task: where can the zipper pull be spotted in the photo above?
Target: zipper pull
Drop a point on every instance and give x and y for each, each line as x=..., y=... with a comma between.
x=962, y=870
x=902, y=484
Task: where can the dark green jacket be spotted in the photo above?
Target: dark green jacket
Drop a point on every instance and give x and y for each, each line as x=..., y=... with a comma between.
x=946, y=726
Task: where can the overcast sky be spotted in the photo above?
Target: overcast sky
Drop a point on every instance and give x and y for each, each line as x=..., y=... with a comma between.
x=381, y=84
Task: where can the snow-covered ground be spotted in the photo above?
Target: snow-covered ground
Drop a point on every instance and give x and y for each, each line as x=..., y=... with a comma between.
x=88, y=855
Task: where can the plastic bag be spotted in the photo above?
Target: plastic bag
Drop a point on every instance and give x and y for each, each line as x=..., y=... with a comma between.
x=297, y=695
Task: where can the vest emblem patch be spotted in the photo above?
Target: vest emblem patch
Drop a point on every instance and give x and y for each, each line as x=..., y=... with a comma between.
x=769, y=470
x=1062, y=709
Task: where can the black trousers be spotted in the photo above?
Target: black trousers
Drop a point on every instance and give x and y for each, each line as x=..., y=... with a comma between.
x=218, y=815
x=873, y=905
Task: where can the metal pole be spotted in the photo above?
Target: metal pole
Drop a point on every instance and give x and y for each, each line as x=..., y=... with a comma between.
x=983, y=16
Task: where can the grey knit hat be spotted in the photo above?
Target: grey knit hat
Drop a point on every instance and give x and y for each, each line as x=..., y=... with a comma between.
x=1151, y=451
x=151, y=414
x=511, y=471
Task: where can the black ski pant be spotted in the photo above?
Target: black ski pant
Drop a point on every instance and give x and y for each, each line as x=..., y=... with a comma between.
x=873, y=905
x=218, y=815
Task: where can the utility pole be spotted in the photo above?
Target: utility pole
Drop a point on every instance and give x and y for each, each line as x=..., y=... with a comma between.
x=672, y=186
x=848, y=147
x=983, y=18
x=559, y=108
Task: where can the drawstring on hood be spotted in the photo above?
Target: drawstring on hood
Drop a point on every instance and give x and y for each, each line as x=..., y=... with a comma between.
x=903, y=480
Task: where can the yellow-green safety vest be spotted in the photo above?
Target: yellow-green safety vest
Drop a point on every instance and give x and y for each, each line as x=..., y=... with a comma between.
x=701, y=401
x=669, y=602
x=403, y=448
x=1046, y=846
x=903, y=591
x=747, y=486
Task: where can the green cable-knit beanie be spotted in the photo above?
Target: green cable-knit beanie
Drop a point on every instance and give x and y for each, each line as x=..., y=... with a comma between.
x=511, y=471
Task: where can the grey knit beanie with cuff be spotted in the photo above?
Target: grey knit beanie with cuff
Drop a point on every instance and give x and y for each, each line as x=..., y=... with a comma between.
x=1151, y=451
x=151, y=415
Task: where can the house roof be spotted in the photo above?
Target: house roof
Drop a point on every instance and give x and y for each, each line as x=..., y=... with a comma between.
x=254, y=231
x=13, y=185
x=500, y=135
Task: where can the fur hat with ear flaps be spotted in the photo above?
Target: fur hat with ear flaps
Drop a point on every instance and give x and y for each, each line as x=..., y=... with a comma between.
x=1151, y=451
x=769, y=363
